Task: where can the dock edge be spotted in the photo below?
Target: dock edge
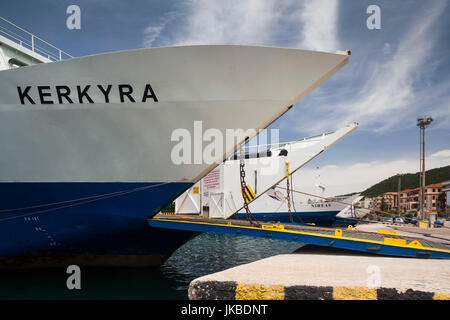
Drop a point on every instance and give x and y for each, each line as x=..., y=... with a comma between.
x=231, y=290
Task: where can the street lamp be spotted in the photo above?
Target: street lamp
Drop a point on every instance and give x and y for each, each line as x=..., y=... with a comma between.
x=399, y=192
x=422, y=123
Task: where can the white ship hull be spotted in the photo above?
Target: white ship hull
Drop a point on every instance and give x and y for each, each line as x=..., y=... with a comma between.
x=274, y=207
x=225, y=87
x=86, y=143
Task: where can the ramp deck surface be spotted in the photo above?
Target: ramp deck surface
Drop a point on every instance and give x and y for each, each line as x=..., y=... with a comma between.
x=389, y=243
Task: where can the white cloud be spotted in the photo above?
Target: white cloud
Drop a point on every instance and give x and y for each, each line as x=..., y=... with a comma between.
x=378, y=91
x=387, y=48
x=443, y=154
x=320, y=25
x=392, y=90
x=342, y=179
x=153, y=32
x=227, y=22
x=306, y=25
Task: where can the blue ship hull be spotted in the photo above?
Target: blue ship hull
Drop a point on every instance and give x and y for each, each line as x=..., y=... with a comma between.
x=318, y=217
x=104, y=224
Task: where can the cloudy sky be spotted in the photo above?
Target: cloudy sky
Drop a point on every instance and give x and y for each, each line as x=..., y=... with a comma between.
x=395, y=74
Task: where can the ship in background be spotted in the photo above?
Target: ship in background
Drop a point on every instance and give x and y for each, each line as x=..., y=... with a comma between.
x=273, y=207
x=306, y=208
x=86, y=142
x=353, y=214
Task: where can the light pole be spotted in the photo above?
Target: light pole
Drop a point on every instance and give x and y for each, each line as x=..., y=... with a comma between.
x=422, y=123
x=399, y=192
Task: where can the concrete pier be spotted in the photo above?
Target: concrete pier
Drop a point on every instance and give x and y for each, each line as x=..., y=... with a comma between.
x=437, y=234
x=317, y=273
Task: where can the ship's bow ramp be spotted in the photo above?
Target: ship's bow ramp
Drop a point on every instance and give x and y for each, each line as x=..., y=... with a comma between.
x=221, y=189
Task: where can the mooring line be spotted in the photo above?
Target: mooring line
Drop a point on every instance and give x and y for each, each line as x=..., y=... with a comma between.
x=89, y=200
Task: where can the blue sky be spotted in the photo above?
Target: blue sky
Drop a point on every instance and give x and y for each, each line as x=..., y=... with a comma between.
x=394, y=75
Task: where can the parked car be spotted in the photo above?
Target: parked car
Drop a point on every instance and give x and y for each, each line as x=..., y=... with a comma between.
x=438, y=223
x=410, y=220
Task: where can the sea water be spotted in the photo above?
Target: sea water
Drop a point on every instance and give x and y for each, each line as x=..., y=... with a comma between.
x=205, y=254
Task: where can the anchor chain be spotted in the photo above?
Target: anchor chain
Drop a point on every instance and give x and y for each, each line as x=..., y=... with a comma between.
x=288, y=187
x=248, y=213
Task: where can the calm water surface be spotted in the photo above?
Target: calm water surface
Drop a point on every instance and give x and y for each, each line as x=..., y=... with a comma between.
x=203, y=255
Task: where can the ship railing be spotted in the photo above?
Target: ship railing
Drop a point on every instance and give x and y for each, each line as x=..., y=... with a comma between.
x=262, y=148
x=29, y=41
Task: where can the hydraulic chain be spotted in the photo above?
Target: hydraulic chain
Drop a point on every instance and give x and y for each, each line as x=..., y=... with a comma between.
x=248, y=214
x=288, y=187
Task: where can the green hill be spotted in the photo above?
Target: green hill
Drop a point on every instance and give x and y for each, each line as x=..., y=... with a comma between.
x=409, y=181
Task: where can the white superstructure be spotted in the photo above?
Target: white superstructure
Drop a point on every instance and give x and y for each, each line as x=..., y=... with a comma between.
x=19, y=48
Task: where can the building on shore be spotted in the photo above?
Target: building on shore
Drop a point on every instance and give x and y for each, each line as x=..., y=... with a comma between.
x=378, y=201
x=432, y=201
x=410, y=199
x=390, y=200
x=446, y=190
x=367, y=203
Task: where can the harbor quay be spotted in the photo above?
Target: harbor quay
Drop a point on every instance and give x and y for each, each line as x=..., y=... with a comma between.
x=325, y=273
x=318, y=276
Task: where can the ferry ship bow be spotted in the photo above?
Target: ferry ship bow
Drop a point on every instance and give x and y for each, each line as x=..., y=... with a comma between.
x=85, y=142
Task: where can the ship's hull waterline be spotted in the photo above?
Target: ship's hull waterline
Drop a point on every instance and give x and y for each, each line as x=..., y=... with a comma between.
x=324, y=213
x=86, y=143
x=316, y=217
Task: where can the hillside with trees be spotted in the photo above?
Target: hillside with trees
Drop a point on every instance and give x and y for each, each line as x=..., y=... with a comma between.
x=408, y=181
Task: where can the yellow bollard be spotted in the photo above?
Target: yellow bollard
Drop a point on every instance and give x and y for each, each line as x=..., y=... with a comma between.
x=415, y=244
x=395, y=242
x=273, y=227
x=423, y=225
